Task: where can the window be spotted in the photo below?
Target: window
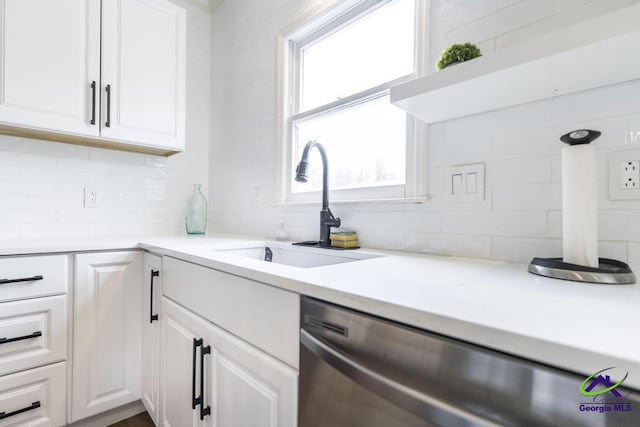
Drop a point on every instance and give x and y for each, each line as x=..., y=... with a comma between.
x=338, y=69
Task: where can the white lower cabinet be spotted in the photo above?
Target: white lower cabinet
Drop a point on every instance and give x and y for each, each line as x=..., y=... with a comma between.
x=34, y=398
x=251, y=388
x=107, y=332
x=151, y=296
x=212, y=378
x=179, y=367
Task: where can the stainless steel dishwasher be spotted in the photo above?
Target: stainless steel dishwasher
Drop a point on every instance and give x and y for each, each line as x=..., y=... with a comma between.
x=359, y=370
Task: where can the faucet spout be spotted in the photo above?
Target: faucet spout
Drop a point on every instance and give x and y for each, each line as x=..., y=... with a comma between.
x=327, y=219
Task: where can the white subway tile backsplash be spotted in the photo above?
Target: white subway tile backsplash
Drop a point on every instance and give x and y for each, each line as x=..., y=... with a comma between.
x=528, y=223
x=45, y=148
x=566, y=13
x=445, y=244
x=610, y=101
x=517, y=249
x=566, y=5
x=459, y=13
x=457, y=152
x=527, y=197
x=633, y=135
x=12, y=158
x=554, y=224
x=10, y=173
x=619, y=225
x=393, y=240
x=522, y=144
x=613, y=250
x=519, y=171
x=504, y=20
x=501, y=4
x=633, y=253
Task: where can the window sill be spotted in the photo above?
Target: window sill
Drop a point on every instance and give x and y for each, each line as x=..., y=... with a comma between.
x=399, y=200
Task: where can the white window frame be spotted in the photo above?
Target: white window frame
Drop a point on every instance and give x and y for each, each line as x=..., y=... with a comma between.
x=327, y=17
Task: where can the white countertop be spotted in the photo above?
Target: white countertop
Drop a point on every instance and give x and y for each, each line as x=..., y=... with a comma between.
x=579, y=327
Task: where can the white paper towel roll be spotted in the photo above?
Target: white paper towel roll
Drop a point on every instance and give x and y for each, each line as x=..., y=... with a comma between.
x=579, y=205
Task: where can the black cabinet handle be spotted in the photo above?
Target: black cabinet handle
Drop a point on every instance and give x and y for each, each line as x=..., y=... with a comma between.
x=23, y=279
x=34, y=405
x=108, y=90
x=194, y=401
x=203, y=411
x=152, y=317
x=93, y=103
x=36, y=334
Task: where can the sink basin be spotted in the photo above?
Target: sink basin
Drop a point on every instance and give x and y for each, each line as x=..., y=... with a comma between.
x=297, y=256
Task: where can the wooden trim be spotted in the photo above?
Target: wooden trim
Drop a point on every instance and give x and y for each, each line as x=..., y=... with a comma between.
x=86, y=141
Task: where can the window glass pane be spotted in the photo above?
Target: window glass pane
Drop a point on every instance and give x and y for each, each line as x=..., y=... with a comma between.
x=365, y=144
x=370, y=51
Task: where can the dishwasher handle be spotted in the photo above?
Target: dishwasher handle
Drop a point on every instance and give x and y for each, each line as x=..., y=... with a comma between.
x=401, y=395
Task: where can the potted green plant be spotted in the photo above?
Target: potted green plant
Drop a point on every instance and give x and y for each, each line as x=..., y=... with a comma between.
x=457, y=53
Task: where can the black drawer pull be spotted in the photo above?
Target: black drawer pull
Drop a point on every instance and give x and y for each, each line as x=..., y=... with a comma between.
x=108, y=90
x=203, y=411
x=36, y=334
x=194, y=400
x=93, y=103
x=24, y=279
x=152, y=317
x=34, y=405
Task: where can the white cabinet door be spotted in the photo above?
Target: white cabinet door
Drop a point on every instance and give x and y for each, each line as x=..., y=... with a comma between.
x=249, y=388
x=151, y=299
x=50, y=57
x=107, y=331
x=180, y=365
x=143, y=72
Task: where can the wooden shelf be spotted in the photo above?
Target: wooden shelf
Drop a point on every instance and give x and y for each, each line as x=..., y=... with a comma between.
x=597, y=52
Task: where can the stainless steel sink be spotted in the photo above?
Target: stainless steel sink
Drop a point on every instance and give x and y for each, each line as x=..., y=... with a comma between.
x=296, y=256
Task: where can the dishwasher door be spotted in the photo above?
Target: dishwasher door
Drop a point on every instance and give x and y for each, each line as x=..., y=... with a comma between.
x=357, y=370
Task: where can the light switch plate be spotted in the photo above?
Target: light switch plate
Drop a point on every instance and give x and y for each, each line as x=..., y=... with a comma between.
x=619, y=171
x=471, y=189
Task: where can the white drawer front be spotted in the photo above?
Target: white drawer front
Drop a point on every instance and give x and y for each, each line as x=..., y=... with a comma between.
x=35, y=397
x=52, y=269
x=262, y=315
x=20, y=324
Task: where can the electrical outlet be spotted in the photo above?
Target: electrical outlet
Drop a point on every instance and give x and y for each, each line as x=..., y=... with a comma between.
x=630, y=175
x=624, y=175
x=90, y=198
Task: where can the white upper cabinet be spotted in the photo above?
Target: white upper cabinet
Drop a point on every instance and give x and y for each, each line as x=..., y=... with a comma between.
x=49, y=58
x=96, y=72
x=143, y=72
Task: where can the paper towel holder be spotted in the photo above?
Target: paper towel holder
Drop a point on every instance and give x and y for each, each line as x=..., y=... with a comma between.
x=580, y=136
x=609, y=271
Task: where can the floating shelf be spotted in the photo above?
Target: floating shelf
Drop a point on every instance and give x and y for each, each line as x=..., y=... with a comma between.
x=590, y=54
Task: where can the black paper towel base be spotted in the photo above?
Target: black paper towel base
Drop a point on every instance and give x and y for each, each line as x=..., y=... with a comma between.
x=609, y=271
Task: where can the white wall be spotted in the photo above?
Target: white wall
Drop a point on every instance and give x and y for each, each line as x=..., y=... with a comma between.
x=41, y=183
x=520, y=217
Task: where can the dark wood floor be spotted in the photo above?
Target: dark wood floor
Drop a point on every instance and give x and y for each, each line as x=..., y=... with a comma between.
x=140, y=420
